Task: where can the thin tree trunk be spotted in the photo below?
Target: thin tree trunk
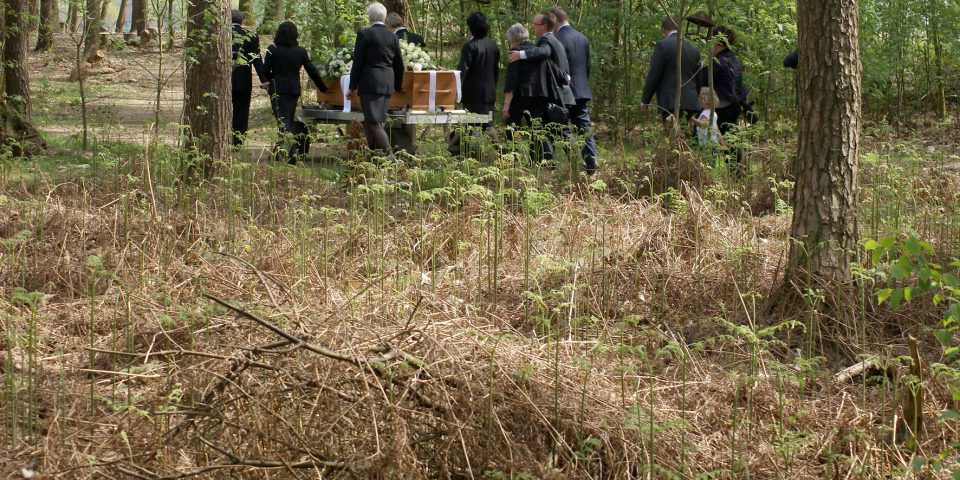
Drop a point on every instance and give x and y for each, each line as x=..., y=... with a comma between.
x=207, y=104
x=16, y=80
x=824, y=226
x=170, y=32
x=49, y=22
x=249, y=15
x=272, y=15
x=34, y=16
x=121, y=16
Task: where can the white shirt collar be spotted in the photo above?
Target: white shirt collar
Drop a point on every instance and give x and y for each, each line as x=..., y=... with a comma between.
x=671, y=32
x=564, y=24
x=376, y=23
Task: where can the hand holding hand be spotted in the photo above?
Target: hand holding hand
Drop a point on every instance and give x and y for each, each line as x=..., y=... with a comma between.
x=506, y=111
x=513, y=56
x=265, y=85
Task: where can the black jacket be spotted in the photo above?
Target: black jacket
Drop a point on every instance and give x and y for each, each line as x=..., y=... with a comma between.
x=479, y=69
x=578, y=54
x=533, y=77
x=404, y=34
x=377, y=63
x=282, y=69
x=792, y=60
x=662, y=77
x=246, y=52
x=727, y=78
x=549, y=48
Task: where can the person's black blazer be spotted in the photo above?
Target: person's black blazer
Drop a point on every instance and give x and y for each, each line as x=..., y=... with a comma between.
x=533, y=77
x=792, y=60
x=377, y=62
x=404, y=34
x=282, y=69
x=578, y=54
x=662, y=77
x=550, y=49
x=479, y=69
x=246, y=52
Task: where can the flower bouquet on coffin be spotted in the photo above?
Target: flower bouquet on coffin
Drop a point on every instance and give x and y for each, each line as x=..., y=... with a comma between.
x=414, y=58
x=336, y=64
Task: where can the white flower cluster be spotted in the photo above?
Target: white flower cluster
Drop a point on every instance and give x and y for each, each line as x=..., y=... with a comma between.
x=337, y=64
x=414, y=58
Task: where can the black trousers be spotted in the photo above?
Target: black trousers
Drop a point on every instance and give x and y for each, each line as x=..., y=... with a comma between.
x=241, y=115
x=727, y=121
x=580, y=118
x=284, y=106
x=529, y=110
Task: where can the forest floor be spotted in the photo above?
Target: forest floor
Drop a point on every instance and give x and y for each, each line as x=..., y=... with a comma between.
x=445, y=318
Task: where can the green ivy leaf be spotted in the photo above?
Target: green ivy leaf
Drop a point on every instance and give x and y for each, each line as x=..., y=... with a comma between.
x=944, y=336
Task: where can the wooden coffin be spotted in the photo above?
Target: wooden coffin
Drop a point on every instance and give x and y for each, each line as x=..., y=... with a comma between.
x=414, y=92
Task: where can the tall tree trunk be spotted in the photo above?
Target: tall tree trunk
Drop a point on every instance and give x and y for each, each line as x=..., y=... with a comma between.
x=249, y=15
x=272, y=15
x=92, y=22
x=207, y=105
x=121, y=16
x=139, y=20
x=16, y=80
x=104, y=8
x=170, y=32
x=402, y=8
x=73, y=15
x=34, y=17
x=49, y=21
x=824, y=226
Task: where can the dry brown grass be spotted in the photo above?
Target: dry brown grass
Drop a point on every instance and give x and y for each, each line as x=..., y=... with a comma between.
x=439, y=377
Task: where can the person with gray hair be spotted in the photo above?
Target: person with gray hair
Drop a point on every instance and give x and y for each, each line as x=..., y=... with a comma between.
x=376, y=12
x=531, y=92
x=377, y=72
x=396, y=25
x=246, y=53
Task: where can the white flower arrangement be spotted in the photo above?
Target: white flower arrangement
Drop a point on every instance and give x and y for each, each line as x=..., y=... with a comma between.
x=337, y=63
x=414, y=58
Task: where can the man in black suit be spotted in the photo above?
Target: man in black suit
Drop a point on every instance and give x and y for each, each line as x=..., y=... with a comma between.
x=479, y=69
x=662, y=77
x=577, y=49
x=246, y=52
x=377, y=72
x=395, y=24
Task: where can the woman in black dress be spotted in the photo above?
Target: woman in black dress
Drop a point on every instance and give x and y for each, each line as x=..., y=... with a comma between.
x=282, y=64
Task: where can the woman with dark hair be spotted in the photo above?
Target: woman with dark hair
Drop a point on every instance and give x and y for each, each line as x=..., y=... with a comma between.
x=479, y=69
x=282, y=64
x=727, y=80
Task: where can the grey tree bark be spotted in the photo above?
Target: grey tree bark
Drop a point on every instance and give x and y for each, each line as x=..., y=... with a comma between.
x=207, y=105
x=16, y=79
x=824, y=226
x=49, y=22
x=121, y=16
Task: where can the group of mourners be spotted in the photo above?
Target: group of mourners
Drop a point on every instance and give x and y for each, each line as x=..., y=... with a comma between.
x=546, y=82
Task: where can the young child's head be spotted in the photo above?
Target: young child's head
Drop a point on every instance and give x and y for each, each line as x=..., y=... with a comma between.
x=708, y=97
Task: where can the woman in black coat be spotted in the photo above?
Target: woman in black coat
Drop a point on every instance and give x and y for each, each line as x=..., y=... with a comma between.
x=282, y=64
x=377, y=72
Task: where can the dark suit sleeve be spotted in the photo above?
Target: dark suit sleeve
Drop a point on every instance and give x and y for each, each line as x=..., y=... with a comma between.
x=257, y=61
x=359, y=59
x=496, y=68
x=267, y=73
x=313, y=73
x=588, y=59
x=540, y=52
x=657, y=64
x=397, y=67
x=466, y=58
x=792, y=60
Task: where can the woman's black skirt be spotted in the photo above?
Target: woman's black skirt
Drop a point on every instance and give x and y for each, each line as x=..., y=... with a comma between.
x=374, y=107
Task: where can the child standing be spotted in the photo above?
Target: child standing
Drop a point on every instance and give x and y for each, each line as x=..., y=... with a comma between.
x=708, y=133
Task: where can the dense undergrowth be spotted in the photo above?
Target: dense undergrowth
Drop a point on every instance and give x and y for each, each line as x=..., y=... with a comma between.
x=435, y=318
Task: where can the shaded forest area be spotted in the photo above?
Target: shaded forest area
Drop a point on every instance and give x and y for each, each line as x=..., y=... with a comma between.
x=175, y=308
